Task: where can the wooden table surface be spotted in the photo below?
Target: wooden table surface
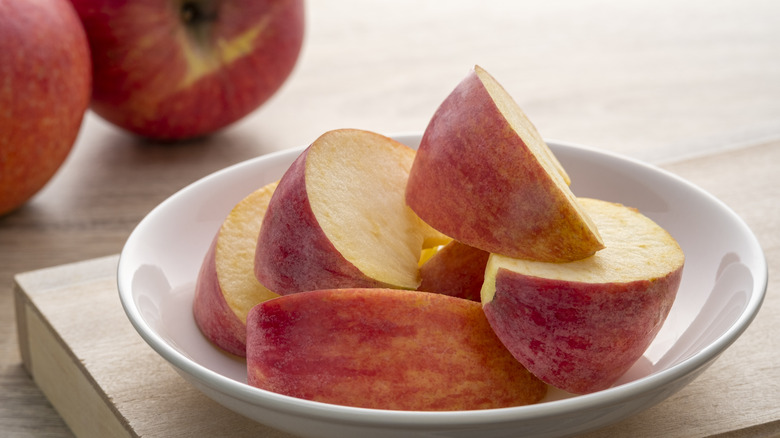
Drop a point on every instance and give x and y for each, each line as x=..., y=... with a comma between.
x=661, y=81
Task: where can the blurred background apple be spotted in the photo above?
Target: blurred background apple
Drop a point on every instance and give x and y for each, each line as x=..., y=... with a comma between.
x=45, y=82
x=177, y=69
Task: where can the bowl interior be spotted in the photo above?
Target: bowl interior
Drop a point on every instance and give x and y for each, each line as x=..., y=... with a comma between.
x=723, y=282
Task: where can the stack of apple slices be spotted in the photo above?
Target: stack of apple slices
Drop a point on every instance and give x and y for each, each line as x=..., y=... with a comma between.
x=465, y=275
x=575, y=288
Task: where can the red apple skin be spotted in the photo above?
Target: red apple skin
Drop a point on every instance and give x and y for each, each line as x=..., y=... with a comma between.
x=475, y=180
x=45, y=80
x=215, y=319
x=140, y=52
x=384, y=349
x=456, y=270
x=291, y=243
x=579, y=337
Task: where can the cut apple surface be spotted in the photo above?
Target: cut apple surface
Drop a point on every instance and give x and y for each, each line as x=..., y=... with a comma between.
x=484, y=176
x=455, y=269
x=338, y=218
x=227, y=287
x=384, y=349
x=581, y=325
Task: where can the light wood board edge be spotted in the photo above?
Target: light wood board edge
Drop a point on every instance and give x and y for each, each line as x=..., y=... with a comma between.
x=126, y=392
x=62, y=378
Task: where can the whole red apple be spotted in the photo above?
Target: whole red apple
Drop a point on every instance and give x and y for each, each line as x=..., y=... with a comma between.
x=45, y=82
x=177, y=69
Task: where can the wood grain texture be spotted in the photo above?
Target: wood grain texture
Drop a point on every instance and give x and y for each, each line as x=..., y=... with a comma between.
x=656, y=80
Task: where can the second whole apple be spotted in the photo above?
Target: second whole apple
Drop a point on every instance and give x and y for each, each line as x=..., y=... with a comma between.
x=173, y=69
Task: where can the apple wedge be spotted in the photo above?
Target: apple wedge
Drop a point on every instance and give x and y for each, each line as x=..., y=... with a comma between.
x=581, y=325
x=226, y=287
x=484, y=176
x=338, y=218
x=456, y=269
x=384, y=349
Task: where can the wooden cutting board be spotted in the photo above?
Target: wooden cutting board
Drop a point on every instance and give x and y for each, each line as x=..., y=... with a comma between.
x=104, y=380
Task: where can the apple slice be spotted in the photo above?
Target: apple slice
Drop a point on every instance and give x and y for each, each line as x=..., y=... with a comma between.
x=456, y=269
x=384, y=349
x=338, y=218
x=226, y=287
x=484, y=176
x=580, y=325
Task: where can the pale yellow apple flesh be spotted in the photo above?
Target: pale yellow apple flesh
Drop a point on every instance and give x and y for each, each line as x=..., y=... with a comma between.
x=636, y=249
x=384, y=349
x=356, y=186
x=338, y=218
x=226, y=288
x=581, y=325
x=484, y=176
x=235, y=253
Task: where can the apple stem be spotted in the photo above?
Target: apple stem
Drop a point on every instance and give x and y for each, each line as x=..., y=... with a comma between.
x=193, y=13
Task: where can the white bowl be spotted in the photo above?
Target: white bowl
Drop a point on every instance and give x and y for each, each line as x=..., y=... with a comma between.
x=723, y=286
